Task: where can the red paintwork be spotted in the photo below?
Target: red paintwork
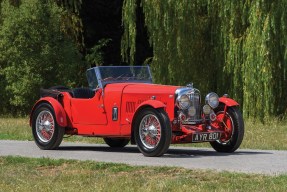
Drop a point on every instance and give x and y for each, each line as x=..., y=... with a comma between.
x=226, y=129
x=93, y=116
x=58, y=109
x=139, y=93
x=153, y=103
x=228, y=102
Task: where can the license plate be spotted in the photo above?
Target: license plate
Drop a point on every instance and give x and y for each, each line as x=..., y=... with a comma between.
x=202, y=137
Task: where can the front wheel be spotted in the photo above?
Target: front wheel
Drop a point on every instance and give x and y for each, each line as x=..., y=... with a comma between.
x=152, y=132
x=116, y=142
x=46, y=132
x=233, y=126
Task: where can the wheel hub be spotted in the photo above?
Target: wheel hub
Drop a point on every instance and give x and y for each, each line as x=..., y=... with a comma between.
x=45, y=126
x=226, y=124
x=150, y=131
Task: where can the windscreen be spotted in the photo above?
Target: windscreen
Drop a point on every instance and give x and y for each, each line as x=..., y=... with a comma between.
x=130, y=73
x=100, y=76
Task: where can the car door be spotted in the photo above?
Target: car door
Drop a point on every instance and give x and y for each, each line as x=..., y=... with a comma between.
x=89, y=111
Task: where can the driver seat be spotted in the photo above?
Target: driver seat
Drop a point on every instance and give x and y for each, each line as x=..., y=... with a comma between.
x=83, y=92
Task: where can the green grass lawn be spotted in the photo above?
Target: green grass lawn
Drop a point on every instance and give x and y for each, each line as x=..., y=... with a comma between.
x=19, y=129
x=27, y=174
x=257, y=135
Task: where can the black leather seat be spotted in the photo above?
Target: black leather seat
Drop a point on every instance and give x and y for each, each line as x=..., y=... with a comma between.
x=83, y=92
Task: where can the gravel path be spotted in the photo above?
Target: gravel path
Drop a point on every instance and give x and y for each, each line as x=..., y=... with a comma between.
x=267, y=162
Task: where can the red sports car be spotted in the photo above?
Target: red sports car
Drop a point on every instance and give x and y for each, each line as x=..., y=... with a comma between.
x=122, y=105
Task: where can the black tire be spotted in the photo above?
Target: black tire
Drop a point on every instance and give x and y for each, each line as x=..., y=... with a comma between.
x=53, y=141
x=237, y=134
x=116, y=142
x=160, y=125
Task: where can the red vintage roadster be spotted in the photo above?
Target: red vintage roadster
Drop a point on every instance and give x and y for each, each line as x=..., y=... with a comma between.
x=122, y=105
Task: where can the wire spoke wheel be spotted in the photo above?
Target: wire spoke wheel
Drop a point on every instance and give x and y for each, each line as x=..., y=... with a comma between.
x=152, y=131
x=232, y=125
x=45, y=126
x=46, y=132
x=227, y=124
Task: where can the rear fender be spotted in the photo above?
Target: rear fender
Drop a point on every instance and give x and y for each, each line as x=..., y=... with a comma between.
x=60, y=113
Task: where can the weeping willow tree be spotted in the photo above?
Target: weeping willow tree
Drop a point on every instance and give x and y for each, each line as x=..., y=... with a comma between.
x=72, y=21
x=265, y=63
x=238, y=47
x=251, y=44
x=177, y=49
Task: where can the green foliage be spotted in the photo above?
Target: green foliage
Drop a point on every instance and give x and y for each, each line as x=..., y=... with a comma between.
x=238, y=47
x=179, y=35
x=34, y=52
x=72, y=22
x=95, y=55
x=129, y=37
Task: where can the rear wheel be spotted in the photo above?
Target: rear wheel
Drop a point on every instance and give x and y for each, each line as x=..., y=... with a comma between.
x=115, y=142
x=152, y=132
x=233, y=126
x=46, y=132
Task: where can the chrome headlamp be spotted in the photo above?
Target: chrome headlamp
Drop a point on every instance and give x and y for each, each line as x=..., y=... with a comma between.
x=183, y=102
x=212, y=100
x=206, y=109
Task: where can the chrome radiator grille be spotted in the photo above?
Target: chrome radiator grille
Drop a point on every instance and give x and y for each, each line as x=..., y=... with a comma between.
x=191, y=115
x=195, y=102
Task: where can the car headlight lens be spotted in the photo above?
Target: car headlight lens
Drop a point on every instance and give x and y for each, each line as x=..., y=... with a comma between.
x=191, y=111
x=206, y=109
x=183, y=102
x=212, y=100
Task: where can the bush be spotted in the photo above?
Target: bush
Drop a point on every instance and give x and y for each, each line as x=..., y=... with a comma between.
x=34, y=53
